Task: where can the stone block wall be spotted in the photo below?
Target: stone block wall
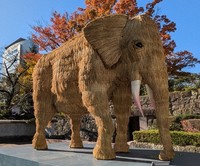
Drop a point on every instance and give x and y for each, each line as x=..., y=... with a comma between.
x=180, y=103
x=187, y=102
x=60, y=128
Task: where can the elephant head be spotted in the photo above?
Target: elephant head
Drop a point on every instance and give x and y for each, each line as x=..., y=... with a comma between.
x=138, y=38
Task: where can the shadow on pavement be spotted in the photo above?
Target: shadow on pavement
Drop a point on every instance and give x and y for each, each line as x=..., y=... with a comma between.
x=180, y=159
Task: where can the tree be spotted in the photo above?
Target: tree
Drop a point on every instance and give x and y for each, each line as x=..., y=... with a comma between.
x=9, y=83
x=184, y=83
x=30, y=60
x=63, y=27
x=16, y=84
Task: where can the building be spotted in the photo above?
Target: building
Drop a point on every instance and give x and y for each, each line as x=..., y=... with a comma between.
x=12, y=55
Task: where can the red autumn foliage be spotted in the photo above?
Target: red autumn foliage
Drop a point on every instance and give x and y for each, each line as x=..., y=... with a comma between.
x=31, y=57
x=64, y=27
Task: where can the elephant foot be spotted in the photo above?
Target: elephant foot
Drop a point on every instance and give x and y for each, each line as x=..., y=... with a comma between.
x=104, y=153
x=166, y=155
x=78, y=144
x=121, y=148
x=39, y=142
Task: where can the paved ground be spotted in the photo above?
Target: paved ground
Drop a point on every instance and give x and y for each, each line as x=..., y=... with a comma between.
x=59, y=154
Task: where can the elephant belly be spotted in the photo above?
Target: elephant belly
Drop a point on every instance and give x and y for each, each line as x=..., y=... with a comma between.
x=70, y=109
x=68, y=97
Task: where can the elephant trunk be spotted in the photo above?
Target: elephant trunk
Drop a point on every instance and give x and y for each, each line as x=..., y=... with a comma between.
x=159, y=95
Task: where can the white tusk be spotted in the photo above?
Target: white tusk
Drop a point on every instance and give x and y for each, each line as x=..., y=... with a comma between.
x=150, y=94
x=135, y=88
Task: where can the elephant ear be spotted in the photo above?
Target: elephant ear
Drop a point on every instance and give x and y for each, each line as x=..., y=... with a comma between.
x=104, y=35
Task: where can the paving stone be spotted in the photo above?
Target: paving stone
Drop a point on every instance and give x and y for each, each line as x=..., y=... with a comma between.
x=59, y=154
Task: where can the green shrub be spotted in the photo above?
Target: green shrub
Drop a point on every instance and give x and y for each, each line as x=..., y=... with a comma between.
x=4, y=114
x=178, y=137
x=176, y=123
x=146, y=136
x=176, y=126
x=186, y=116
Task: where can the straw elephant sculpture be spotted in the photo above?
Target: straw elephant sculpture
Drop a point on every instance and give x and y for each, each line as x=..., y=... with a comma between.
x=106, y=62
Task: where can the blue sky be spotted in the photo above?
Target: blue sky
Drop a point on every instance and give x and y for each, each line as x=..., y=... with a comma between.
x=17, y=17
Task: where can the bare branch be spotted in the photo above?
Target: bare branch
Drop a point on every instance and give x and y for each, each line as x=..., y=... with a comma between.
x=13, y=62
x=8, y=74
x=4, y=91
x=4, y=75
x=23, y=98
x=20, y=74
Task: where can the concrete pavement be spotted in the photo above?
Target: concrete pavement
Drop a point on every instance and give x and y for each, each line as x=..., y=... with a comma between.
x=59, y=154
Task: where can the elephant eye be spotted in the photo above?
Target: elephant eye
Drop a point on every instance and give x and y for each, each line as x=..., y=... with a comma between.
x=139, y=44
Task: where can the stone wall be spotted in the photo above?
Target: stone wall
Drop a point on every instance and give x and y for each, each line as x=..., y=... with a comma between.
x=180, y=103
x=16, y=131
x=60, y=128
x=187, y=102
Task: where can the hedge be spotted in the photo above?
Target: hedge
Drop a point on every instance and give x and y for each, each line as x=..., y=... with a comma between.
x=176, y=123
x=180, y=138
x=179, y=118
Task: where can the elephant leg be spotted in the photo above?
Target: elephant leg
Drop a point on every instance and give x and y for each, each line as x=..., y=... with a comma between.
x=76, y=141
x=161, y=97
x=103, y=149
x=162, y=116
x=122, y=104
x=97, y=104
x=44, y=111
